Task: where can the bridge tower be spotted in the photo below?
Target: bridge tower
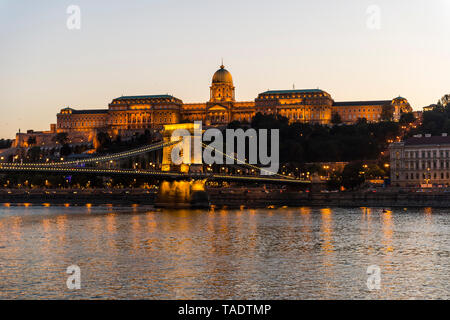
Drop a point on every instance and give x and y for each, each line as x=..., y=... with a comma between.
x=194, y=165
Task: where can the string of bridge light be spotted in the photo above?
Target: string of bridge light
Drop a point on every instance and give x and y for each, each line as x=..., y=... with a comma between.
x=88, y=170
x=107, y=158
x=245, y=163
x=131, y=153
x=139, y=172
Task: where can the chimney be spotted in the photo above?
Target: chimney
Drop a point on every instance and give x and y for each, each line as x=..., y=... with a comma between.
x=444, y=134
x=428, y=135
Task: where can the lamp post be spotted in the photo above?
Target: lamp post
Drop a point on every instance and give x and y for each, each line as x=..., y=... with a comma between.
x=428, y=177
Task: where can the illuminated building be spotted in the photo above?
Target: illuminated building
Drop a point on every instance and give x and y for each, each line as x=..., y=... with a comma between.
x=421, y=160
x=127, y=115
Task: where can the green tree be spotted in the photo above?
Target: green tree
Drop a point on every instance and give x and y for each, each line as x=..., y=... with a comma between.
x=336, y=118
x=353, y=175
x=444, y=101
x=361, y=121
x=34, y=154
x=65, y=150
x=387, y=112
x=406, y=118
x=335, y=181
x=31, y=141
x=61, y=138
x=5, y=143
x=104, y=141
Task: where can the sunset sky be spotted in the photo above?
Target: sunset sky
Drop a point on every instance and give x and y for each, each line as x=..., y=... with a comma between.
x=167, y=46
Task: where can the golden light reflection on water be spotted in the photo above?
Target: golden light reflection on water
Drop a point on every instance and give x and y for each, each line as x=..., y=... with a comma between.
x=305, y=210
x=176, y=191
x=16, y=227
x=46, y=225
x=429, y=216
x=305, y=214
x=151, y=223
x=111, y=228
x=327, y=230
x=388, y=231
x=366, y=228
x=111, y=225
x=135, y=231
x=61, y=225
x=293, y=253
x=327, y=248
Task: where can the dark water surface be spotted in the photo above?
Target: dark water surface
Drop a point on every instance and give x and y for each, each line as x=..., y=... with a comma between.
x=292, y=253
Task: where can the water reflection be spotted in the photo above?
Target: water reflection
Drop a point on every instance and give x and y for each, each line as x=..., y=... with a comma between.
x=224, y=254
x=388, y=231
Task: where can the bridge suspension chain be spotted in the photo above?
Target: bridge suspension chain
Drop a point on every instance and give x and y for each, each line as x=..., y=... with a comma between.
x=245, y=163
x=106, y=158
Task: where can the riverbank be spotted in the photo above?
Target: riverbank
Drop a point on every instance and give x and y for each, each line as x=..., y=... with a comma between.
x=78, y=197
x=230, y=198
x=385, y=198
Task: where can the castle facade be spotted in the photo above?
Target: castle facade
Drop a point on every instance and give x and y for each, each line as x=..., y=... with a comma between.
x=129, y=114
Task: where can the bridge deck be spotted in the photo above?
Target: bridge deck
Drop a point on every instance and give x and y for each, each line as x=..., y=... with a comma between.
x=154, y=174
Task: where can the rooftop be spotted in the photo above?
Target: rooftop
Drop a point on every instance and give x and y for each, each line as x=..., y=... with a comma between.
x=438, y=140
x=97, y=111
x=362, y=103
x=161, y=96
x=293, y=91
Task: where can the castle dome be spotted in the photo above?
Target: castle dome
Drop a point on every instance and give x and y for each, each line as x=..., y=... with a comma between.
x=222, y=76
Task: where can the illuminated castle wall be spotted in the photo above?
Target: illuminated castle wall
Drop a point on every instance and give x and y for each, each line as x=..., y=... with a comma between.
x=129, y=114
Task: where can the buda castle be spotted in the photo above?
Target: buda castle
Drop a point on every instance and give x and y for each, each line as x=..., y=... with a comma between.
x=127, y=115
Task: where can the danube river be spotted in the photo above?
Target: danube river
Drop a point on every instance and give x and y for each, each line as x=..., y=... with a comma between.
x=289, y=253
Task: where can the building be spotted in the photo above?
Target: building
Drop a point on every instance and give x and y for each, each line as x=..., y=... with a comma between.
x=35, y=138
x=127, y=115
x=421, y=160
x=429, y=108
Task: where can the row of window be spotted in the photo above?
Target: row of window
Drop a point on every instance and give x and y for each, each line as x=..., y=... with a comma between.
x=425, y=176
x=427, y=154
x=428, y=164
x=344, y=110
x=359, y=116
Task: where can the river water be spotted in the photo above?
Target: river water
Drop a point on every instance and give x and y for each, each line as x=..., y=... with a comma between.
x=291, y=253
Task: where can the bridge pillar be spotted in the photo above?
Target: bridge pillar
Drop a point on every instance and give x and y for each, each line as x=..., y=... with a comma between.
x=192, y=165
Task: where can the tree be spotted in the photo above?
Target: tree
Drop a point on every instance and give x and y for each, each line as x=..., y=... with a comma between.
x=61, y=138
x=31, y=141
x=335, y=181
x=444, y=101
x=234, y=125
x=406, y=118
x=34, y=154
x=353, y=175
x=387, y=112
x=336, y=118
x=361, y=121
x=103, y=141
x=65, y=150
x=5, y=143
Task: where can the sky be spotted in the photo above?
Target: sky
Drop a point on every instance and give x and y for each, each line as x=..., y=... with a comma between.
x=353, y=49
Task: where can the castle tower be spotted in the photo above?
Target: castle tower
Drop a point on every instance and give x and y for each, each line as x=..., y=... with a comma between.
x=220, y=105
x=222, y=89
